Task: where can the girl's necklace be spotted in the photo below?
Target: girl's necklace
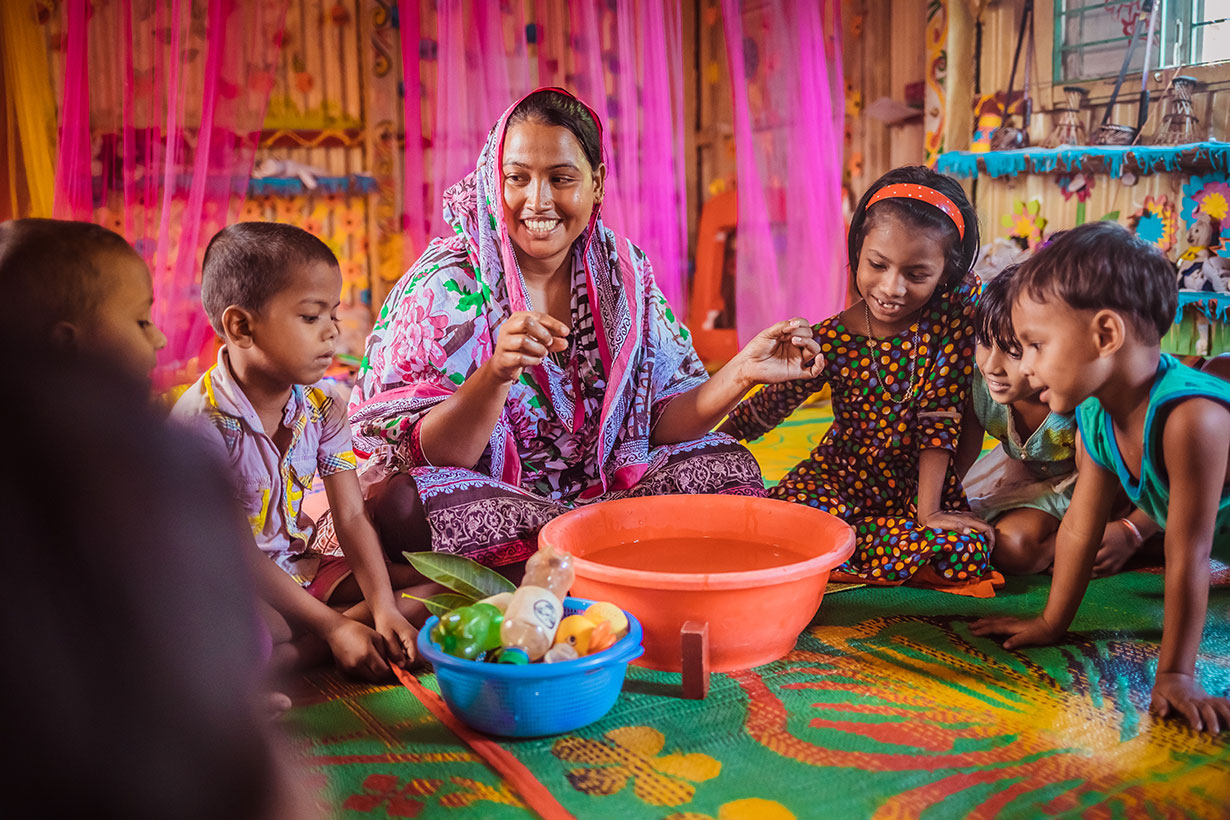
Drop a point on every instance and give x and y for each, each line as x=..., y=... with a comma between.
x=875, y=363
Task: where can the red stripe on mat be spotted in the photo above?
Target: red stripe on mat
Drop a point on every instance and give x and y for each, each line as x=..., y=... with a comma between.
x=497, y=757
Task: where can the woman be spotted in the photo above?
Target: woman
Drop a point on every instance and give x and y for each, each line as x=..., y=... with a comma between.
x=530, y=363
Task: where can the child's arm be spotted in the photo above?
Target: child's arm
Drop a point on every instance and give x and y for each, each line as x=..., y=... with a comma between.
x=1196, y=444
x=932, y=470
x=941, y=405
x=356, y=647
x=1076, y=544
x=358, y=540
x=969, y=444
x=1121, y=540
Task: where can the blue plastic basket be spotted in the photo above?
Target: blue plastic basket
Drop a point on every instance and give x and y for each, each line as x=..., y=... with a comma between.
x=538, y=698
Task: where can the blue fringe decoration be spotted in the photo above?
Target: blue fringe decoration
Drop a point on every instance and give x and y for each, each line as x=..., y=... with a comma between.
x=293, y=186
x=1214, y=305
x=1150, y=159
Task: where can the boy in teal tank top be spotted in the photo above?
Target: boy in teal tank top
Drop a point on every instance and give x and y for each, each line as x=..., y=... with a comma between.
x=1090, y=309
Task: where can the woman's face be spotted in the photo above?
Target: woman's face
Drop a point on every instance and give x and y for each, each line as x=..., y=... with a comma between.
x=550, y=191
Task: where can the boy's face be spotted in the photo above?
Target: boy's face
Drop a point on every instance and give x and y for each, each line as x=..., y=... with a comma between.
x=1002, y=373
x=295, y=334
x=1059, y=351
x=120, y=327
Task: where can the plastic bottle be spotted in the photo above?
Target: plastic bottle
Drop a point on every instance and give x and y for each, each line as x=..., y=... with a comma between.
x=537, y=606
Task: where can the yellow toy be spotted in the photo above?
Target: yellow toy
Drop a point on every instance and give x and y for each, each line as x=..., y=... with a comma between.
x=577, y=631
x=606, y=611
x=598, y=628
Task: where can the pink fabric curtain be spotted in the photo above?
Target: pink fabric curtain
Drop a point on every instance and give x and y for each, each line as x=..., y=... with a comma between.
x=163, y=104
x=785, y=65
x=623, y=58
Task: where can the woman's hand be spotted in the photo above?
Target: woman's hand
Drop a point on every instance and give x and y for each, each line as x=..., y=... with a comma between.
x=960, y=522
x=783, y=352
x=525, y=339
x=1179, y=692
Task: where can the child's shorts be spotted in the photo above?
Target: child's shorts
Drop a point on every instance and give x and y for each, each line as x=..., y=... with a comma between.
x=331, y=571
x=331, y=566
x=998, y=483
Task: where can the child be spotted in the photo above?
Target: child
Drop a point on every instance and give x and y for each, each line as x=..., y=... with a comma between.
x=131, y=646
x=899, y=362
x=1090, y=309
x=81, y=287
x=272, y=292
x=1024, y=486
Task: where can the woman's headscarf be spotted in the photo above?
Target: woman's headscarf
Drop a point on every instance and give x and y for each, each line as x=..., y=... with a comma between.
x=441, y=320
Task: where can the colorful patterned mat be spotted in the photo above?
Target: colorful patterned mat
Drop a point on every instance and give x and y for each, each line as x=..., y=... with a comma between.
x=888, y=707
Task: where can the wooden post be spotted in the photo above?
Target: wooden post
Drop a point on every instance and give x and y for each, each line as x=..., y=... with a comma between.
x=694, y=644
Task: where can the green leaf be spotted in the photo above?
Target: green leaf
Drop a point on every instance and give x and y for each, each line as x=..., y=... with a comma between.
x=460, y=574
x=1112, y=216
x=444, y=603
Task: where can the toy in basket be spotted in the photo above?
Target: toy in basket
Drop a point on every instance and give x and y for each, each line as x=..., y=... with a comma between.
x=534, y=661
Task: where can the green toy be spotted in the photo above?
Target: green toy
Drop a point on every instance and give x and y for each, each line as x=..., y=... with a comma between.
x=469, y=631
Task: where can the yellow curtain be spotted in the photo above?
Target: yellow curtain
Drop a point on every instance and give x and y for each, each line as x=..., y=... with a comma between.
x=31, y=100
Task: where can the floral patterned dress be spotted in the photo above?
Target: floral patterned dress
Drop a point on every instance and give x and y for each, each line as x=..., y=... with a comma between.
x=891, y=399
x=573, y=430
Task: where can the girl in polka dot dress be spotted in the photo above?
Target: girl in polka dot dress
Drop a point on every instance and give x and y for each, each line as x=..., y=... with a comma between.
x=899, y=362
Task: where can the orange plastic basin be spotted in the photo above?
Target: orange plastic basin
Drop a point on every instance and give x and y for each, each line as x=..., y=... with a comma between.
x=755, y=569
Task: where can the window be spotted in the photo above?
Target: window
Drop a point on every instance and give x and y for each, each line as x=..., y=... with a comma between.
x=1091, y=36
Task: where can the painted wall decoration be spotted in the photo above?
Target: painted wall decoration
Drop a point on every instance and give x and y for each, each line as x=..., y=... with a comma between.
x=1025, y=222
x=1209, y=196
x=935, y=94
x=1156, y=222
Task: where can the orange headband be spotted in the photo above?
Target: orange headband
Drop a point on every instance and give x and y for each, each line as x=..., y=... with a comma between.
x=921, y=193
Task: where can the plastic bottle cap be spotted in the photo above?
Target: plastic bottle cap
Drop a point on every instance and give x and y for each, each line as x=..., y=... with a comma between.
x=514, y=655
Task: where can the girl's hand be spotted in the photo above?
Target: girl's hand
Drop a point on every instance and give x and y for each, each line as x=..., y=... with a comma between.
x=1031, y=632
x=358, y=649
x=399, y=636
x=783, y=352
x=1118, y=545
x=524, y=341
x=964, y=523
x=1179, y=692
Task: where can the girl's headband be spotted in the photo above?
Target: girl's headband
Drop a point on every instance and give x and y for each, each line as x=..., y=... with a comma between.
x=921, y=193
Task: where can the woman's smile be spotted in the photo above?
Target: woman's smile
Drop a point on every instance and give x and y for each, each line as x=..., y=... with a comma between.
x=541, y=227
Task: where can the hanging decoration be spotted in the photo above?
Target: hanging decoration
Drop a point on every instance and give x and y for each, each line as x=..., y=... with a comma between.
x=988, y=115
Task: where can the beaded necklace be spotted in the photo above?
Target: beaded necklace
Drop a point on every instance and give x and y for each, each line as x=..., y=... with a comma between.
x=875, y=363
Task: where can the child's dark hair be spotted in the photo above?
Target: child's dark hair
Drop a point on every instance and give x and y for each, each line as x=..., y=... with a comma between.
x=552, y=107
x=151, y=563
x=960, y=254
x=248, y=262
x=993, y=314
x=49, y=270
x=1104, y=266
